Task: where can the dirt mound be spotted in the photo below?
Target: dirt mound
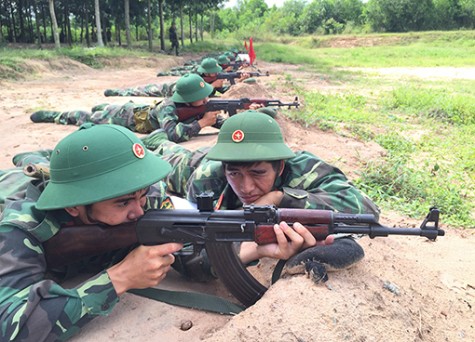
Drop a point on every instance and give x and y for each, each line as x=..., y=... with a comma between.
x=247, y=90
x=39, y=68
x=161, y=63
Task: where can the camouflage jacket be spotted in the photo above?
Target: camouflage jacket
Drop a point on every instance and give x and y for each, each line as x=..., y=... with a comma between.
x=33, y=304
x=307, y=182
x=178, y=131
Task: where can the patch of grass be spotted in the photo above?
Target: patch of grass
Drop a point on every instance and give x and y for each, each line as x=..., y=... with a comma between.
x=392, y=183
x=439, y=104
x=337, y=108
x=422, y=49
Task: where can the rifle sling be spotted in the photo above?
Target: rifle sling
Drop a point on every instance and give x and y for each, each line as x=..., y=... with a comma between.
x=278, y=270
x=193, y=300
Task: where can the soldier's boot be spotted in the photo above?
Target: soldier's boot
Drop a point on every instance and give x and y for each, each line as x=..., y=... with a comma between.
x=44, y=116
x=317, y=260
x=155, y=139
x=111, y=92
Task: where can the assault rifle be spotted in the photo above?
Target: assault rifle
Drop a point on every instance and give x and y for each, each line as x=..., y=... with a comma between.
x=216, y=230
x=231, y=76
x=230, y=106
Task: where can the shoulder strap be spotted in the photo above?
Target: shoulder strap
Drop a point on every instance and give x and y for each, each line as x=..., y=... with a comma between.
x=193, y=300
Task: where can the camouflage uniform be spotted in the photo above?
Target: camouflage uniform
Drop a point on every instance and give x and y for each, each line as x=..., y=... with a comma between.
x=14, y=181
x=177, y=131
x=153, y=90
x=307, y=182
x=131, y=115
x=33, y=305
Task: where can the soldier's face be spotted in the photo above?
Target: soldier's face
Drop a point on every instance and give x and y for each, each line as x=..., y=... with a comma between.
x=127, y=208
x=251, y=182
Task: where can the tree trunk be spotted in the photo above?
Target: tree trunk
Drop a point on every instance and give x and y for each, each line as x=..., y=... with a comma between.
x=86, y=19
x=37, y=22
x=149, y=24
x=67, y=24
x=1, y=29
x=191, y=28
x=12, y=24
x=182, y=26
x=118, y=32
x=127, y=24
x=202, y=24
x=29, y=21
x=97, y=12
x=211, y=22
x=162, y=25
x=57, y=43
x=21, y=38
x=104, y=29
x=43, y=17
x=196, y=27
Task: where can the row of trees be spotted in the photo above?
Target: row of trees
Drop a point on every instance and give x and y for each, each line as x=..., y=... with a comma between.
x=100, y=21
x=105, y=21
x=299, y=17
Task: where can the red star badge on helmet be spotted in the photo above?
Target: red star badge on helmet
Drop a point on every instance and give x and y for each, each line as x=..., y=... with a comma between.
x=237, y=136
x=138, y=150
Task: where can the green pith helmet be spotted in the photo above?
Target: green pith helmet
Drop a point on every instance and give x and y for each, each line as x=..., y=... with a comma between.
x=230, y=55
x=250, y=136
x=209, y=66
x=97, y=163
x=223, y=60
x=191, y=88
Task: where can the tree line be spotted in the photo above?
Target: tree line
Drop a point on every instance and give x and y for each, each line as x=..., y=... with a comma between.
x=120, y=22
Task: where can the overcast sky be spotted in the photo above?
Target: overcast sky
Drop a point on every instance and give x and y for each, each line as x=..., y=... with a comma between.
x=270, y=3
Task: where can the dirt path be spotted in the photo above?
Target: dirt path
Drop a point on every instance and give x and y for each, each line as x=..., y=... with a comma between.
x=406, y=288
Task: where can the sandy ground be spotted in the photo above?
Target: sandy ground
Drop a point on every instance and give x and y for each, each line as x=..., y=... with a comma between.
x=405, y=289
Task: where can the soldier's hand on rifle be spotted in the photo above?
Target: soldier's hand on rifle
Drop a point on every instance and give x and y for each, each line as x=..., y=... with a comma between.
x=244, y=76
x=209, y=119
x=255, y=106
x=143, y=267
x=219, y=83
x=290, y=241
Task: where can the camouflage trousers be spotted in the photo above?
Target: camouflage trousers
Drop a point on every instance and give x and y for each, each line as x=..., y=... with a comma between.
x=131, y=115
x=179, y=71
x=155, y=90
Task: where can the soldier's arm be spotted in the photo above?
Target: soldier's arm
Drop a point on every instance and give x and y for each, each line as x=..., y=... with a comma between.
x=313, y=183
x=176, y=131
x=35, y=308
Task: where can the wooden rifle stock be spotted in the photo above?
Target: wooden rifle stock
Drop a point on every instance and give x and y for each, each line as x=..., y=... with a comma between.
x=71, y=244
